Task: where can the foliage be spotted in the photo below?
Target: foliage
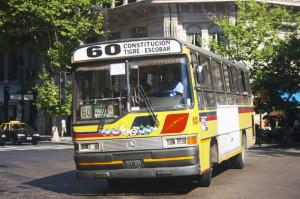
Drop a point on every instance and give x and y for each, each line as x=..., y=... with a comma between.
x=256, y=38
x=48, y=100
x=280, y=80
x=54, y=27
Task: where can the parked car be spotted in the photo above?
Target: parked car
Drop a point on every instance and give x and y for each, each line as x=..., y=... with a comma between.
x=19, y=132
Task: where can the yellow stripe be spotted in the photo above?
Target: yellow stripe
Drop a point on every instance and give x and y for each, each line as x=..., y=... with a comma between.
x=99, y=163
x=169, y=159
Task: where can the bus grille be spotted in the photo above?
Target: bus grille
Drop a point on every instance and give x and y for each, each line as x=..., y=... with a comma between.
x=132, y=144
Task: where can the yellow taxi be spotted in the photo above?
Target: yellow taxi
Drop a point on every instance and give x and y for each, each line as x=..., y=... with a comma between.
x=18, y=133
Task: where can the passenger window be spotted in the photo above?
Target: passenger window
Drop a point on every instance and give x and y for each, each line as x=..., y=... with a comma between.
x=217, y=76
x=227, y=78
x=206, y=95
x=194, y=59
x=203, y=76
x=235, y=81
x=242, y=83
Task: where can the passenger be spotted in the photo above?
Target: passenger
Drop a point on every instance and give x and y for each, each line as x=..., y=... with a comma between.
x=170, y=87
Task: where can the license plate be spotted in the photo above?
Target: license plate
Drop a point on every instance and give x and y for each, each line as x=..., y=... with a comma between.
x=29, y=138
x=133, y=163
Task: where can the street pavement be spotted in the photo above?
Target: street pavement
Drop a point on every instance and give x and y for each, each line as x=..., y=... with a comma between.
x=271, y=172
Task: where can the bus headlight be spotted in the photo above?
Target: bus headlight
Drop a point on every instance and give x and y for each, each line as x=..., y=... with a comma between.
x=179, y=141
x=3, y=136
x=86, y=147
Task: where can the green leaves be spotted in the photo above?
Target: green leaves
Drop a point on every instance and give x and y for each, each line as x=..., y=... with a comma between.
x=266, y=38
x=55, y=27
x=48, y=100
x=255, y=35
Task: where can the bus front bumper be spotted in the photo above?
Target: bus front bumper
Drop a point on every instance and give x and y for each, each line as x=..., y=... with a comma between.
x=139, y=173
x=152, y=164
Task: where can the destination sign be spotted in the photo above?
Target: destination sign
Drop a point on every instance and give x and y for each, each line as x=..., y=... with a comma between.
x=126, y=49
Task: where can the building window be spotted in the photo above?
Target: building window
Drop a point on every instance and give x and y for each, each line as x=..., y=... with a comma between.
x=137, y=32
x=193, y=34
x=215, y=34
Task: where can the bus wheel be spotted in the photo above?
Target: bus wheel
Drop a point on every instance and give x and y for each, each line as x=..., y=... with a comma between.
x=2, y=143
x=205, y=178
x=238, y=162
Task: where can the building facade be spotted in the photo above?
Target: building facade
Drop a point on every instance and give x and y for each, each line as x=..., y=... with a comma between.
x=187, y=20
x=19, y=69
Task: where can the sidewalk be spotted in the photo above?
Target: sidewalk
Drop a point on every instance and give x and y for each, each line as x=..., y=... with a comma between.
x=63, y=140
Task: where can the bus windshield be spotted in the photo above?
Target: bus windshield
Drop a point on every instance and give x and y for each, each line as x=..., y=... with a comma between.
x=103, y=90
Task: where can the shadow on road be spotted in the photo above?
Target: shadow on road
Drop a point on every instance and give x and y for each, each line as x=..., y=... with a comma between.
x=66, y=183
x=276, y=150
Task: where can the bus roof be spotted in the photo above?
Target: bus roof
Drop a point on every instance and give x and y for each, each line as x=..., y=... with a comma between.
x=139, y=47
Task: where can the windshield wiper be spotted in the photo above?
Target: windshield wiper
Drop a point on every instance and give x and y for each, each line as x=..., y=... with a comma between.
x=148, y=105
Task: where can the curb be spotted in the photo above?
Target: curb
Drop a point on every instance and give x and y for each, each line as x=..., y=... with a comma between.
x=51, y=142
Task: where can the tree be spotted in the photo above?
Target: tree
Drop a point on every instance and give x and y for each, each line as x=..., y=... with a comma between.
x=48, y=101
x=255, y=38
x=54, y=27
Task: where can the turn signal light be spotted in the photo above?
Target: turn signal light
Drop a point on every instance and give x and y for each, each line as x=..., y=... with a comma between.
x=192, y=140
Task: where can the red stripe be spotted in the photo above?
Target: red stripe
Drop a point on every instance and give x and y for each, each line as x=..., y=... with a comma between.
x=246, y=110
x=211, y=117
x=91, y=135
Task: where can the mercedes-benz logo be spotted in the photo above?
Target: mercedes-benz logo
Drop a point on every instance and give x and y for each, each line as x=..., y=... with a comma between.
x=131, y=144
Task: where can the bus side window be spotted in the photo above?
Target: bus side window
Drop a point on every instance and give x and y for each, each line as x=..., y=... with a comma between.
x=205, y=82
x=206, y=97
x=235, y=84
x=248, y=88
x=242, y=85
x=218, y=82
x=228, y=84
x=194, y=58
x=242, y=82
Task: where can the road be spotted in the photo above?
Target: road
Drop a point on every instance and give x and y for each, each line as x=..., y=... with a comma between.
x=47, y=171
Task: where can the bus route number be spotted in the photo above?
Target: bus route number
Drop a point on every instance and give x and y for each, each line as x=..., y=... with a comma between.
x=97, y=51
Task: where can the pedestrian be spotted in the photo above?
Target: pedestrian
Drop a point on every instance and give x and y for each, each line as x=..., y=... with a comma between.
x=63, y=127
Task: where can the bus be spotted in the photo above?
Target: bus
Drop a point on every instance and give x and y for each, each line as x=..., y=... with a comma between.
x=158, y=108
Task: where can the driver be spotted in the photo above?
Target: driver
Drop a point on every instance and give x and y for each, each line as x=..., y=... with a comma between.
x=170, y=87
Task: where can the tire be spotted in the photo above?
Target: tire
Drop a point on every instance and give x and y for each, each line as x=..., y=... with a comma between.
x=2, y=143
x=205, y=179
x=238, y=161
x=34, y=142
